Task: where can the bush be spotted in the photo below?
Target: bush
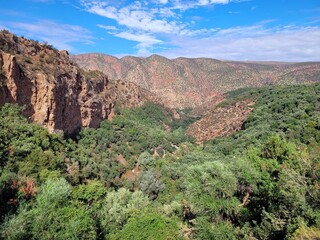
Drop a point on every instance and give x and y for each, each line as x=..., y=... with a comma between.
x=210, y=188
x=151, y=184
x=149, y=227
x=119, y=206
x=213, y=231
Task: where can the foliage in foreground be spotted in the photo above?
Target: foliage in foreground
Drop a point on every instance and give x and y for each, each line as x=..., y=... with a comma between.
x=260, y=183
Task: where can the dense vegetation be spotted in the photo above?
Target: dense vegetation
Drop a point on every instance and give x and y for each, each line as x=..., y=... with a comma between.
x=132, y=178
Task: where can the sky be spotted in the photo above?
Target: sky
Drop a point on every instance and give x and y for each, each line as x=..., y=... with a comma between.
x=251, y=30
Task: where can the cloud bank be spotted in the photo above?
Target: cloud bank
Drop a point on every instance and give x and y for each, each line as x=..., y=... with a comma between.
x=157, y=27
x=172, y=29
x=62, y=36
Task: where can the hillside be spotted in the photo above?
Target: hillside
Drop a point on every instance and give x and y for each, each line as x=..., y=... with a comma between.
x=184, y=82
x=55, y=92
x=138, y=176
x=222, y=121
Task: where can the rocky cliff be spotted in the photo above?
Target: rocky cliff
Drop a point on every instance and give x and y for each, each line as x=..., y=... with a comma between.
x=55, y=92
x=185, y=82
x=222, y=121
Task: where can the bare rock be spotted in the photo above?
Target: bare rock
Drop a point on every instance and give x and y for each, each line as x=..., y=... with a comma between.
x=222, y=121
x=56, y=93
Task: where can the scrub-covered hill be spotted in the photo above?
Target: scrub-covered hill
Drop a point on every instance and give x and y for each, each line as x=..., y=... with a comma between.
x=140, y=177
x=191, y=82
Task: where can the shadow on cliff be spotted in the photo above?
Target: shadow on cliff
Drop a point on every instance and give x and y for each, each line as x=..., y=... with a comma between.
x=5, y=95
x=67, y=112
x=24, y=94
x=17, y=89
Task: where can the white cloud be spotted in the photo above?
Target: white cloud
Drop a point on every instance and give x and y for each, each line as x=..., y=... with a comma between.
x=135, y=16
x=288, y=43
x=150, y=21
x=166, y=12
x=197, y=32
x=141, y=38
x=185, y=5
x=236, y=32
x=139, y=22
x=158, y=23
x=145, y=42
x=107, y=27
x=60, y=35
x=216, y=1
x=3, y=27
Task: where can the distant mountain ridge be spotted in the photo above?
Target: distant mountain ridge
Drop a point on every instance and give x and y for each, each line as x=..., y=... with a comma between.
x=186, y=82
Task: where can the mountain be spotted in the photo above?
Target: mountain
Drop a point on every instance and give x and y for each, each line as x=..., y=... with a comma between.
x=185, y=82
x=55, y=92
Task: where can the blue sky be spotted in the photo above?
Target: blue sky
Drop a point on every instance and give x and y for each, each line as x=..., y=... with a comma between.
x=272, y=30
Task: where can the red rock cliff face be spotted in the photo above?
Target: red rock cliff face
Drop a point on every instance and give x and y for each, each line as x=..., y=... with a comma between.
x=55, y=92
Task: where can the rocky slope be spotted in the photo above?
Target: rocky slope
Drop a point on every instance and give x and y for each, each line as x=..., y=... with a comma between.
x=184, y=82
x=222, y=121
x=55, y=92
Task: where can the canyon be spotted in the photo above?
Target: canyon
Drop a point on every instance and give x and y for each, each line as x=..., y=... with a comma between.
x=65, y=92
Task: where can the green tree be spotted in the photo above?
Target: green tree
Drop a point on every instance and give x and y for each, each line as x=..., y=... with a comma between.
x=210, y=188
x=151, y=184
x=149, y=227
x=119, y=206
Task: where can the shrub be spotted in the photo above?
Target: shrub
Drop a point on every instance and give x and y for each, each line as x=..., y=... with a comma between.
x=149, y=227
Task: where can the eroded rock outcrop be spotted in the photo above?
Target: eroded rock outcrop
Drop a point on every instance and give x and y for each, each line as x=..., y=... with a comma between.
x=223, y=121
x=55, y=92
